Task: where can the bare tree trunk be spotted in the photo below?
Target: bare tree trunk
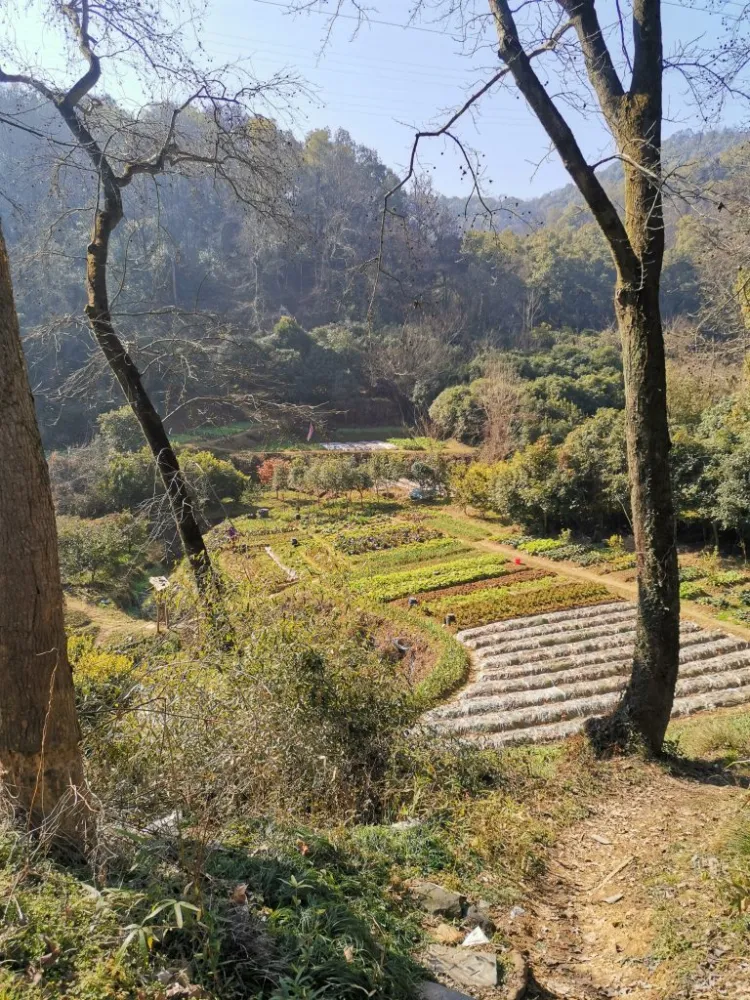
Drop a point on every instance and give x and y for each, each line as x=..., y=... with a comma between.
x=40, y=750
x=129, y=378
x=106, y=219
x=647, y=703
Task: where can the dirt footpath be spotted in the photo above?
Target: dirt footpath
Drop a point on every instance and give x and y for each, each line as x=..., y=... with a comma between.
x=631, y=905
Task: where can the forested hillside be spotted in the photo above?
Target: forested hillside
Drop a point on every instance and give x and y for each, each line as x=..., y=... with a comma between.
x=205, y=275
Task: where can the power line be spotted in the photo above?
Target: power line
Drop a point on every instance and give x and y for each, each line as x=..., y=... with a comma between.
x=381, y=71
x=354, y=17
x=455, y=35
x=355, y=61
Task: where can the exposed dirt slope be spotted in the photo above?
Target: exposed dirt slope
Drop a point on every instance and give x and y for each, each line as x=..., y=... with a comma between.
x=110, y=622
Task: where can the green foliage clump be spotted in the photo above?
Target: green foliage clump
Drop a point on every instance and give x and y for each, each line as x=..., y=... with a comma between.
x=470, y=485
x=458, y=413
x=690, y=591
x=62, y=934
x=430, y=472
x=120, y=429
x=539, y=546
x=688, y=574
x=129, y=480
x=211, y=479
x=730, y=578
x=98, y=551
x=529, y=489
x=97, y=480
x=471, y=530
x=303, y=716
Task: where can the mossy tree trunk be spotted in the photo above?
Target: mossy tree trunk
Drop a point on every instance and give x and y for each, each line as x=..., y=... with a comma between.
x=636, y=240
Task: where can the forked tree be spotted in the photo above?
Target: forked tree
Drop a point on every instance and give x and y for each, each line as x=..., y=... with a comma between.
x=40, y=753
x=559, y=55
x=222, y=134
x=633, y=113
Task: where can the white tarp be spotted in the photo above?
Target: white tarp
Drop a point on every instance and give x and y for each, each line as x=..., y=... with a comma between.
x=358, y=446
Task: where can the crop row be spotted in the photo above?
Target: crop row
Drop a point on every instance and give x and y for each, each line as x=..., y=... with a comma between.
x=255, y=526
x=535, y=597
x=459, y=527
x=609, y=558
x=416, y=554
x=372, y=539
x=391, y=586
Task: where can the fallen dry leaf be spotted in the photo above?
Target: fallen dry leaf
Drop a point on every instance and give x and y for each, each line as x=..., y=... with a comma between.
x=239, y=894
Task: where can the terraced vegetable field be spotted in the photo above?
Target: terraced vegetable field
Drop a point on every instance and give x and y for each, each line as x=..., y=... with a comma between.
x=391, y=586
x=541, y=677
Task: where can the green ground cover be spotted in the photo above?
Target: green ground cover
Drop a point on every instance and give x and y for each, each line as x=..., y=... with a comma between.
x=408, y=556
x=533, y=597
x=473, y=530
x=391, y=586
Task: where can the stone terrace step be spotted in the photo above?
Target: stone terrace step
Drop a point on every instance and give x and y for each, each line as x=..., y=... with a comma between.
x=589, y=648
x=727, y=698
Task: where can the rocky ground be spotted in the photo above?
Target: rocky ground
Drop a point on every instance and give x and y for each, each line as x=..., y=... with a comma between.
x=633, y=903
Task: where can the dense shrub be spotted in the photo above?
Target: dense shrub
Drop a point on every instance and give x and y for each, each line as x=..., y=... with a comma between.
x=457, y=412
x=76, y=477
x=580, y=484
x=530, y=489
x=120, y=430
x=211, y=479
x=301, y=720
x=470, y=485
x=430, y=472
x=130, y=480
x=93, y=481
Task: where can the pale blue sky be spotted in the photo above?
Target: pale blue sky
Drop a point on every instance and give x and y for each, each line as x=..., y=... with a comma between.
x=386, y=80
